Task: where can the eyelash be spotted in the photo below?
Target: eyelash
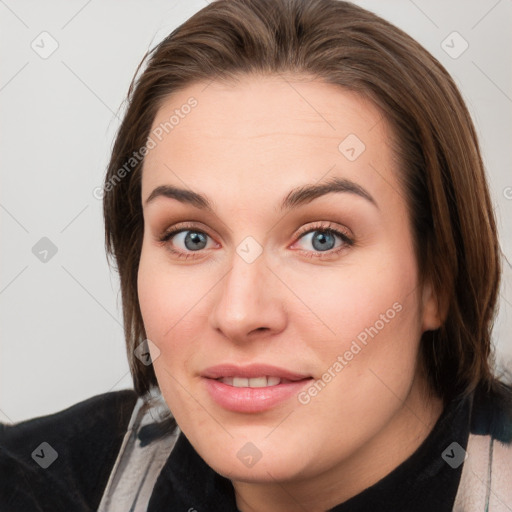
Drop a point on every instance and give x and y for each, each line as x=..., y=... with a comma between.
x=326, y=228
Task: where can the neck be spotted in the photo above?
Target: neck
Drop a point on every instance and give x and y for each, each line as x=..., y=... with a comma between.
x=396, y=442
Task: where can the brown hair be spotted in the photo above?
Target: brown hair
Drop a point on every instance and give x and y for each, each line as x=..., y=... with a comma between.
x=440, y=164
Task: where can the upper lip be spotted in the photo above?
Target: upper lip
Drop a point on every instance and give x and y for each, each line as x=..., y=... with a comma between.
x=251, y=371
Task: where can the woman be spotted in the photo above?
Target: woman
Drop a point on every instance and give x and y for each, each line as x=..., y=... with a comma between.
x=298, y=211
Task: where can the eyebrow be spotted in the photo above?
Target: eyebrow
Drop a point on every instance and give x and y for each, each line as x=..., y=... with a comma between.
x=298, y=196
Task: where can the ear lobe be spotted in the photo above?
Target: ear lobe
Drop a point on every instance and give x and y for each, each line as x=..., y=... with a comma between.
x=433, y=310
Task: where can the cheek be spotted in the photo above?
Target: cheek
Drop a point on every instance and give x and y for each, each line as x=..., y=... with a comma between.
x=368, y=356
x=172, y=307
x=165, y=293
x=153, y=292
x=373, y=297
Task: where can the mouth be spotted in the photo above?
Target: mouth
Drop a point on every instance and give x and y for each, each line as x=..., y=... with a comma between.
x=253, y=388
x=252, y=372
x=254, y=382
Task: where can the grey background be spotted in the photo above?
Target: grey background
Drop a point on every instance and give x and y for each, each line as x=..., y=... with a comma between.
x=61, y=333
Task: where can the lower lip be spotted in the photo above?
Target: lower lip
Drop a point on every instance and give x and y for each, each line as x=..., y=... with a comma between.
x=252, y=399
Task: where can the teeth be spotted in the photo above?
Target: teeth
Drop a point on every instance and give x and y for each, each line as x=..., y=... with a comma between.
x=255, y=382
x=273, y=381
x=240, y=382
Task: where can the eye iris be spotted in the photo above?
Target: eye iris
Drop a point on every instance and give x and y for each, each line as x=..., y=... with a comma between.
x=324, y=238
x=195, y=238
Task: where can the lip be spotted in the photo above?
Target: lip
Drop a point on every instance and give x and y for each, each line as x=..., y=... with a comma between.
x=251, y=371
x=252, y=400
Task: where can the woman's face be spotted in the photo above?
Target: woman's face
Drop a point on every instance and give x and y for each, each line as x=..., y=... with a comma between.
x=257, y=278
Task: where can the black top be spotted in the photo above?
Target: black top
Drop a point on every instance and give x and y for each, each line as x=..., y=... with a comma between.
x=88, y=436
x=422, y=483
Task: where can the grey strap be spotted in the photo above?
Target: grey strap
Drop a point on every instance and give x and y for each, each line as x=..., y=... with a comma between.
x=486, y=480
x=137, y=467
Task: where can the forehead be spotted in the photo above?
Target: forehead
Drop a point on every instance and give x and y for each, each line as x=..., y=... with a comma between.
x=265, y=131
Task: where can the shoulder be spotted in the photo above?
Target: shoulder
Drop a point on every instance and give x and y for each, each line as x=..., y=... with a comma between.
x=492, y=412
x=62, y=461
x=487, y=470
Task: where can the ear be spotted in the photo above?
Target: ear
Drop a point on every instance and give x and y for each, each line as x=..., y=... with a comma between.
x=434, y=309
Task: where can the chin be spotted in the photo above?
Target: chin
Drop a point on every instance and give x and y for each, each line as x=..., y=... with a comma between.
x=268, y=471
x=243, y=460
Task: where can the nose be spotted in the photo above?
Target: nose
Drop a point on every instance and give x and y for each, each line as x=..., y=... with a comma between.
x=249, y=301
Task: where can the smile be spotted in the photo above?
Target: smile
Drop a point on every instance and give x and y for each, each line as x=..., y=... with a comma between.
x=252, y=389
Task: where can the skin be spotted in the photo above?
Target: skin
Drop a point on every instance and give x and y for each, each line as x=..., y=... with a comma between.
x=245, y=146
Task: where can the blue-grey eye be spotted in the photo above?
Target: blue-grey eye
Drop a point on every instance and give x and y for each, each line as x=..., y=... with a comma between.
x=321, y=240
x=192, y=240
